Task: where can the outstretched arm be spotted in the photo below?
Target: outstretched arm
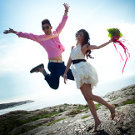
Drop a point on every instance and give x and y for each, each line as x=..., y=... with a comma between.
x=21, y=34
x=66, y=70
x=92, y=47
x=64, y=19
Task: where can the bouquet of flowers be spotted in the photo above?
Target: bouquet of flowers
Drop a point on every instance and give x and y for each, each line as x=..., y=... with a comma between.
x=115, y=35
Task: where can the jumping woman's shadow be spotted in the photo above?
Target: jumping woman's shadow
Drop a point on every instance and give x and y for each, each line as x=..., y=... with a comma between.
x=100, y=132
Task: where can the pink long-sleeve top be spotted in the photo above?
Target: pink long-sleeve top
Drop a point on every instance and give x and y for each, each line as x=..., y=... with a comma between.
x=50, y=43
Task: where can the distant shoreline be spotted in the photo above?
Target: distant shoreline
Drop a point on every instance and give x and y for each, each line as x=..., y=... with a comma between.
x=14, y=104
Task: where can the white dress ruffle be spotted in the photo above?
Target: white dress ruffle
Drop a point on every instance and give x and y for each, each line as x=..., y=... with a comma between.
x=83, y=72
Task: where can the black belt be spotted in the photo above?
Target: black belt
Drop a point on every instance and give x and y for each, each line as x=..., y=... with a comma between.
x=78, y=60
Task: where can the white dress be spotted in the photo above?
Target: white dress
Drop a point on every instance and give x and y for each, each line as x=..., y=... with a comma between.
x=83, y=72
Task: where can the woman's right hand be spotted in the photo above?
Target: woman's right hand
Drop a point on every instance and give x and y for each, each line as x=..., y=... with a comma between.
x=9, y=31
x=65, y=78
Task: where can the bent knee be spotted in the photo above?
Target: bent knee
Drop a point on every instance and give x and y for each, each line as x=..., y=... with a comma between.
x=89, y=98
x=54, y=87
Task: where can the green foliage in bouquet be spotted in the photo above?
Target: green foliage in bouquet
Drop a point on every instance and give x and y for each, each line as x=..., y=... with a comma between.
x=114, y=32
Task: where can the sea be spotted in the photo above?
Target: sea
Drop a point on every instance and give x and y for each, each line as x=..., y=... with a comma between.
x=74, y=98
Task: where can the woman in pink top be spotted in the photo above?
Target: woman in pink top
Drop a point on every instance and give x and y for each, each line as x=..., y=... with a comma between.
x=51, y=43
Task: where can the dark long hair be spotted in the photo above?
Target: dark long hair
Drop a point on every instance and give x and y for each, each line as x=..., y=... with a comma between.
x=86, y=39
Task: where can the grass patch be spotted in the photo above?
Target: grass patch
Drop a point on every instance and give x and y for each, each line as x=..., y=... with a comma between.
x=15, y=120
x=98, y=106
x=129, y=102
x=85, y=117
x=83, y=107
x=66, y=104
x=116, y=105
x=53, y=122
x=24, y=129
x=44, y=115
x=10, y=121
x=114, y=98
x=77, y=110
x=74, y=112
x=61, y=110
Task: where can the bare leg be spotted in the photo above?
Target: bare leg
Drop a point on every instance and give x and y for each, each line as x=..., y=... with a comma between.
x=89, y=97
x=109, y=106
x=94, y=113
x=100, y=100
x=91, y=105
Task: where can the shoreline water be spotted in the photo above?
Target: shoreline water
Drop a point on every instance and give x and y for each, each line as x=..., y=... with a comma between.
x=59, y=97
x=30, y=105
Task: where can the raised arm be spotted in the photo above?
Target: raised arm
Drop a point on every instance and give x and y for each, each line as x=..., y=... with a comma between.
x=66, y=70
x=64, y=19
x=21, y=34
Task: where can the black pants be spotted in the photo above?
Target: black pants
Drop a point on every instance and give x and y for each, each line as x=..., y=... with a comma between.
x=57, y=70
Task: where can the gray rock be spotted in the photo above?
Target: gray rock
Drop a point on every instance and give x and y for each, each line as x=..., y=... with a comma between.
x=13, y=104
x=74, y=119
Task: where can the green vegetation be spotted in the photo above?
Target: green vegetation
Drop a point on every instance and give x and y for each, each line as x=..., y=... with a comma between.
x=74, y=112
x=83, y=107
x=53, y=122
x=44, y=115
x=61, y=110
x=10, y=121
x=23, y=129
x=14, y=120
x=98, y=106
x=51, y=133
x=78, y=109
x=66, y=104
x=129, y=102
x=85, y=117
x=114, y=98
x=116, y=105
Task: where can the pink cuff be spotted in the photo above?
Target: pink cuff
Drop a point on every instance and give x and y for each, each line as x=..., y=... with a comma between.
x=19, y=34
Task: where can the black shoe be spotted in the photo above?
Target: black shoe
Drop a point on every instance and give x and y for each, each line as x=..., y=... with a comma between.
x=36, y=69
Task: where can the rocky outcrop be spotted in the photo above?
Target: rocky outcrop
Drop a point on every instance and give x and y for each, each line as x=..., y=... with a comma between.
x=13, y=104
x=74, y=119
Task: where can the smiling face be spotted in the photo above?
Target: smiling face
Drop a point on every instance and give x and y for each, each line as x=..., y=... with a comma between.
x=80, y=37
x=47, y=29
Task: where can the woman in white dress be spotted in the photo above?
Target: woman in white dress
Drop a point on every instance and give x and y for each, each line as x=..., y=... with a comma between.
x=85, y=74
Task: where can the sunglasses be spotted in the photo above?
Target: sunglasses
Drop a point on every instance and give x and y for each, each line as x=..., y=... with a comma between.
x=47, y=27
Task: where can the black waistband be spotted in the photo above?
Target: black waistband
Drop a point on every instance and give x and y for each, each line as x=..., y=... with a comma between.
x=78, y=60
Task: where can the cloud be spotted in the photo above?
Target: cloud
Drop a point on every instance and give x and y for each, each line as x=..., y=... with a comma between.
x=24, y=54
x=20, y=56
